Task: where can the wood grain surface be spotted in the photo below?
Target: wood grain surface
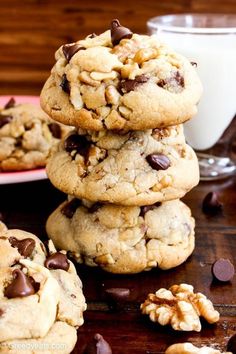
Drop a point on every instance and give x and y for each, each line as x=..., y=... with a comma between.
x=30, y=32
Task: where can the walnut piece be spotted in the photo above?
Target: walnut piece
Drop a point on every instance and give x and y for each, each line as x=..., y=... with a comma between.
x=189, y=348
x=180, y=307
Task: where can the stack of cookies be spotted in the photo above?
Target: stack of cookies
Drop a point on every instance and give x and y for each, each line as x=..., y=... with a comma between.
x=126, y=164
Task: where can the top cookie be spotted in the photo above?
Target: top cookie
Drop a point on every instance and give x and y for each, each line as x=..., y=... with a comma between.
x=120, y=80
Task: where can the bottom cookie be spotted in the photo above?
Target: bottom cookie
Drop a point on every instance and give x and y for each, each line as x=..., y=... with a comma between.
x=123, y=239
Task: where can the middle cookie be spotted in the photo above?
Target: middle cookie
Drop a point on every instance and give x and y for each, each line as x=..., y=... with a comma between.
x=133, y=168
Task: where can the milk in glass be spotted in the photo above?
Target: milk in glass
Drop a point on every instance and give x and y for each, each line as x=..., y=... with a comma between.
x=215, y=55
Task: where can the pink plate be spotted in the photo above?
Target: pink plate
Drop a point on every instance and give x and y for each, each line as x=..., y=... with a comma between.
x=21, y=176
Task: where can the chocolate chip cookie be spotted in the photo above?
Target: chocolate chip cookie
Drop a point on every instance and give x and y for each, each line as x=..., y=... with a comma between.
x=41, y=299
x=133, y=168
x=123, y=239
x=120, y=80
x=26, y=136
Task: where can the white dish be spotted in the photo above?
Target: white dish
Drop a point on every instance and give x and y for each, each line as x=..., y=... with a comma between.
x=21, y=176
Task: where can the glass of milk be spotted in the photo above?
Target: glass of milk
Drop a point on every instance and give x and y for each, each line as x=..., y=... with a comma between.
x=209, y=40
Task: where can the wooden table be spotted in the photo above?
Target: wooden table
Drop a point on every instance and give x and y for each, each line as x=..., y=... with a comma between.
x=27, y=206
x=30, y=33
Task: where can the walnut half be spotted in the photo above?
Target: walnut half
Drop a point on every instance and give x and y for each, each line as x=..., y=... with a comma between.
x=189, y=348
x=180, y=307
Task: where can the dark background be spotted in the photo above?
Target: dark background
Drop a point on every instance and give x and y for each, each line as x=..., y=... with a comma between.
x=31, y=30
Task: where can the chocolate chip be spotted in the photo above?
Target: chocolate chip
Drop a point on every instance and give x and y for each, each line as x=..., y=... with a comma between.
x=119, y=32
x=223, y=270
x=179, y=79
x=176, y=79
x=55, y=129
x=10, y=104
x=98, y=346
x=43, y=248
x=158, y=161
x=78, y=143
x=130, y=85
x=92, y=35
x=70, y=207
x=193, y=63
x=231, y=346
x=118, y=294
x=65, y=85
x=57, y=260
x=211, y=204
x=94, y=207
x=20, y=286
x=5, y=120
x=144, y=209
x=1, y=312
x=70, y=49
x=25, y=247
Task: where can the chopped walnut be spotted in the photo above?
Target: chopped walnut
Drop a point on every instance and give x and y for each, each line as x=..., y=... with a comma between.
x=180, y=307
x=189, y=348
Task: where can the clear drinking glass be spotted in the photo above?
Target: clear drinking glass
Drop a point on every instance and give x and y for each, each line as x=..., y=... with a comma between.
x=209, y=40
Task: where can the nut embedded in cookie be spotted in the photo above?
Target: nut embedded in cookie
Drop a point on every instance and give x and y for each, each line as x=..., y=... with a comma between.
x=179, y=307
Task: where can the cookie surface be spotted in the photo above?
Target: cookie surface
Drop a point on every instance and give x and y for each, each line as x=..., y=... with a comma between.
x=26, y=136
x=61, y=338
x=134, y=168
x=124, y=239
x=41, y=283
x=135, y=84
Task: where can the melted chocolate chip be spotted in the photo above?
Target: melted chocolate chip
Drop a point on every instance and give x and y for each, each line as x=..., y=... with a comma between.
x=5, y=120
x=57, y=261
x=65, y=85
x=70, y=207
x=10, y=104
x=179, y=79
x=78, y=143
x=176, y=79
x=70, y=49
x=1, y=312
x=119, y=32
x=158, y=161
x=223, y=270
x=98, y=346
x=231, y=346
x=193, y=63
x=25, y=247
x=211, y=204
x=20, y=286
x=55, y=129
x=144, y=209
x=130, y=85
